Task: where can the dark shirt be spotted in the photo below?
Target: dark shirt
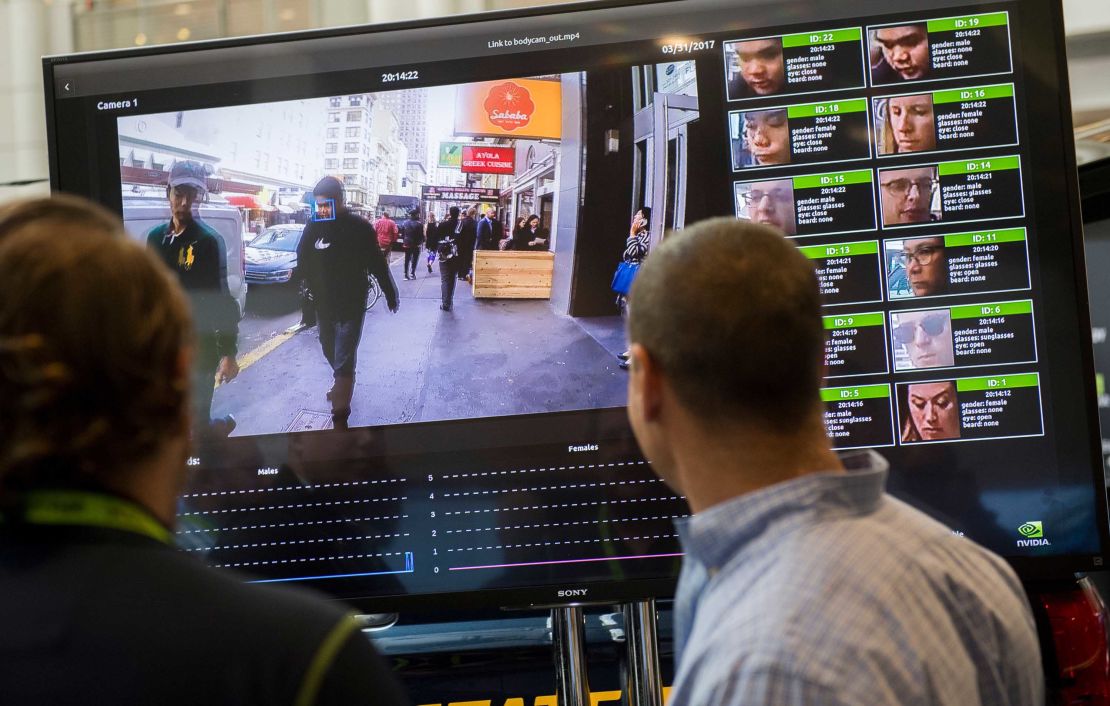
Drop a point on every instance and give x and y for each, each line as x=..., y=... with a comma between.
x=335, y=258
x=412, y=233
x=199, y=258
x=113, y=615
x=467, y=234
x=485, y=235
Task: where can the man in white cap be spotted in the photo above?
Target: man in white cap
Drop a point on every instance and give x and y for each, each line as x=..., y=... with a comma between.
x=198, y=255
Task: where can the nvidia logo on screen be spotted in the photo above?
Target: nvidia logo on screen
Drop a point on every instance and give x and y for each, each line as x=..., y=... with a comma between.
x=1033, y=531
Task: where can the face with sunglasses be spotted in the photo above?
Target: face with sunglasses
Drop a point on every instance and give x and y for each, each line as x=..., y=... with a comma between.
x=907, y=195
x=926, y=336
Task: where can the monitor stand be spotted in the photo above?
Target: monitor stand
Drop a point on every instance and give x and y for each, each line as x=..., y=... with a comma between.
x=568, y=632
x=644, y=678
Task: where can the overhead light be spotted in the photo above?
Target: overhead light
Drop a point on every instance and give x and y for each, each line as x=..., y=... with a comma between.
x=140, y=39
x=183, y=34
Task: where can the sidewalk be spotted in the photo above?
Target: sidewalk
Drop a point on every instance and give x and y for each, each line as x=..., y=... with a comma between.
x=484, y=358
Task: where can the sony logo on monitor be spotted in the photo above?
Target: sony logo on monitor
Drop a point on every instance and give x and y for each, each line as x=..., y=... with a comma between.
x=573, y=592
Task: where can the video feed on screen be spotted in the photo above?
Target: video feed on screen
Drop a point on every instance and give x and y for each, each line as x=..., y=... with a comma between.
x=387, y=257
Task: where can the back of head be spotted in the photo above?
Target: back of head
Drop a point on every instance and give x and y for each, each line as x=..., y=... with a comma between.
x=92, y=329
x=453, y=211
x=731, y=313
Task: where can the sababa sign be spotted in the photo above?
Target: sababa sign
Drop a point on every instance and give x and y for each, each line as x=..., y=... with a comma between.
x=480, y=159
x=525, y=108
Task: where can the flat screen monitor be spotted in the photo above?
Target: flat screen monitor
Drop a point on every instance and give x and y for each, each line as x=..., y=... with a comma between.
x=917, y=152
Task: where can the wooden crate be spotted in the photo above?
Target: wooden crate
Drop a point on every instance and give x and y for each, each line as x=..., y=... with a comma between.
x=512, y=274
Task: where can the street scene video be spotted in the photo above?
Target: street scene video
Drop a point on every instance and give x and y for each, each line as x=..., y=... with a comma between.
x=385, y=258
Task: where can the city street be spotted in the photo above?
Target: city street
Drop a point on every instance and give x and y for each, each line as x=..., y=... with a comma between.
x=484, y=358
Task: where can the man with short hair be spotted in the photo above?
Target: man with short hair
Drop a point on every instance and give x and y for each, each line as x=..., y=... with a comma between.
x=99, y=608
x=197, y=254
x=803, y=582
x=905, y=54
x=336, y=256
x=385, y=229
x=412, y=236
x=759, y=69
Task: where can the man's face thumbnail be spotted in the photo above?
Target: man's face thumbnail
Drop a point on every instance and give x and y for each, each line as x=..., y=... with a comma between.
x=771, y=203
x=906, y=49
x=926, y=337
x=761, y=65
x=325, y=209
x=907, y=194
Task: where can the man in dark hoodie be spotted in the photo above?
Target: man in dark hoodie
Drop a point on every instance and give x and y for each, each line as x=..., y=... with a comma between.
x=448, y=249
x=337, y=254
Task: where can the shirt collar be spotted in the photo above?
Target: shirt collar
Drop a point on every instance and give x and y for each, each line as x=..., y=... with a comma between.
x=86, y=509
x=715, y=535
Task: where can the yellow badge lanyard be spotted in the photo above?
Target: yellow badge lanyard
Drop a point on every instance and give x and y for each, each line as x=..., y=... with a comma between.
x=77, y=508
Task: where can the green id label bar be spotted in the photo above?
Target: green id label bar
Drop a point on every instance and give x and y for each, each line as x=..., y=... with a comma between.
x=831, y=36
x=846, y=394
x=951, y=24
x=853, y=320
x=811, y=110
x=821, y=252
x=980, y=93
x=862, y=176
x=1009, y=235
x=1000, y=382
x=974, y=166
x=999, y=309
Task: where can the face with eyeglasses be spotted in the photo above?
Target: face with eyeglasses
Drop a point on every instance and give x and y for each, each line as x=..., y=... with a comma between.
x=926, y=265
x=926, y=337
x=770, y=203
x=767, y=134
x=907, y=194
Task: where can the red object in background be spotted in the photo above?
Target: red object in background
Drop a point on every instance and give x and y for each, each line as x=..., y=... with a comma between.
x=1077, y=619
x=244, y=200
x=509, y=106
x=479, y=159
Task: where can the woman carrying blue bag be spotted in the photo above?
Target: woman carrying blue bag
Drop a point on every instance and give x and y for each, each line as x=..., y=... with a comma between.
x=635, y=250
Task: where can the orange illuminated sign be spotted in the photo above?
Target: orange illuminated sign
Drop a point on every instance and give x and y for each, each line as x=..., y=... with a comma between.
x=519, y=107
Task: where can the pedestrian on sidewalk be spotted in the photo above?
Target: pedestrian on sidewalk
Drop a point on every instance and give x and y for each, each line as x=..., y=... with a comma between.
x=466, y=237
x=336, y=256
x=431, y=239
x=635, y=250
x=385, y=229
x=448, y=248
x=412, y=237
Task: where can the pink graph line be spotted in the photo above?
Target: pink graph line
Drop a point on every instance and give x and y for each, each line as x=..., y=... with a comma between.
x=562, y=561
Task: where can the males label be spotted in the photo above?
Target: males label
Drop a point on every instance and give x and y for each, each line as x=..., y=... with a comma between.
x=858, y=417
x=811, y=133
x=967, y=409
x=952, y=192
x=848, y=273
x=836, y=202
x=856, y=344
x=822, y=60
x=957, y=263
x=966, y=118
x=964, y=336
x=941, y=48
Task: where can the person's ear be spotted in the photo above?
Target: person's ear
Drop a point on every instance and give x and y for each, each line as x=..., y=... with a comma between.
x=646, y=381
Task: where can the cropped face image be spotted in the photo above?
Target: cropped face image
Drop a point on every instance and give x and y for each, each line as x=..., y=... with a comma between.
x=912, y=126
x=761, y=65
x=907, y=195
x=767, y=136
x=324, y=209
x=926, y=266
x=905, y=49
x=934, y=412
x=768, y=202
x=926, y=338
